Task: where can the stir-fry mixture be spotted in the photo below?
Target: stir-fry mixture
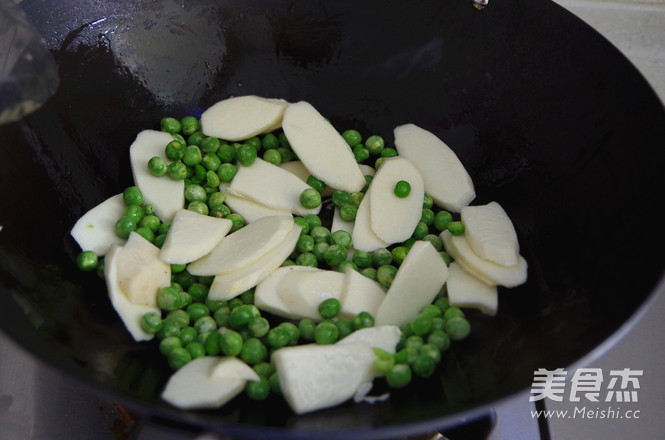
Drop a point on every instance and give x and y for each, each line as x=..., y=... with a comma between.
x=266, y=252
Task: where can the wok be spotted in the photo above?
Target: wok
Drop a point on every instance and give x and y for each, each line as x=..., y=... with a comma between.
x=547, y=116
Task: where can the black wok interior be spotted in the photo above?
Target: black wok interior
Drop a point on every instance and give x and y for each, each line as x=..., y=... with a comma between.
x=549, y=118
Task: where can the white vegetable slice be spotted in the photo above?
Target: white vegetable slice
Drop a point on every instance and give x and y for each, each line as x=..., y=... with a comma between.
x=361, y=294
x=314, y=377
x=140, y=271
x=271, y=186
x=266, y=295
x=298, y=168
x=363, y=237
x=194, y=386
x=307, y=289
x=129, y=313
x=367, y=170
x=244, y=246
x=166, y=195
x=233, y=368
x=393, y=219
x=95, y=230
x=322, y=150
x=417, y=282
x=466, y=290
x=231, y=284
x=248, y=209
x=446, y=179
x=239, y=118
x=192, y=236
x=384, y=337
x=490, y=233
x=488, y=271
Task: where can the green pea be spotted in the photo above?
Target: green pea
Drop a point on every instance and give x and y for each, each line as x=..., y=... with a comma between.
x=453, y=312
x=277, y=337
x=168, y=344
x=226, y=153
x=435, y=240
x=329, y=308
x=125, y=226
x=198, y=206
x=348, y=213
x=442, y=303
x=258, y=327
x=264, y=368
x=195, y=192
x=456, y=227
x=421, y=231
x=384, y=362
x=253, y=351
x=192, y=155
x=258, y=390
x=227, y=172
x=382, y=257
x=246, y=154
x=283, y=140
x=170, y=125
x=362, y=259
x=370, y=273
x=325, y=333
x=236, y=220
x=386, y=274
x=211, y=162
x=151, y=222
x=240, y=317
x=197, y=310
x=399, y=254
x=313, y=220
x=195, y=349
x=361, y=154
x=205, y=324
x=341, y=198
x=428, y=201
x=446, y=257
x=346, y=265
x=286, y=154
x=356, y=198
x=342, y=238
x=169, y=328
x=269, y=141
x=210, y=145
x=215, y=304
x=231, y=343
x=306, y=327
x=196, y=138
x=317, y=184
x=157, y=166
x=187, y=334
x=310, y=198
x=132, y=195
x=431, y=350
x=374, y=144
x=421, y=324
x=388, y=152
x=335, y=254
x=174, y=150
x=319, y=250
x=399, y=376
x=320, y=233
x=402, y=189
x=272, y=156
x=440, y=339
x=291, y=330
x=344, y=327
x=362, y=320
x=189, y=125
x=179, y=317
x=423, y=366
x=151, y=322
x=87, y=261
x=457, y=328
x=177, y=170
x=307, y=259
x=146, y=233
x=352, y=137
x=305, y=243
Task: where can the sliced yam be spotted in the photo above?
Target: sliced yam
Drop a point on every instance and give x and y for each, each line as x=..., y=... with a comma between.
x=307, y=289
x=130, y=314
x=271, y=186
x=419, y=279
x=340, y=225
x=248, y=209
x=266, y=296
x=466, y=290
x=491, y=234
x=367, y=170
x=192, y=236
x=233, y=368
x=384, y=337
x=140, y=271
x=321, y=148
x=446, y=179
x=206, y=382
x=488, y=271
x=231, y=284
x=361, y=294
x=165, y=194
x=363, y=237
x=95, y=230
x=244, y=246
x=393, y=219
x=314, y=377
x=242, y=117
